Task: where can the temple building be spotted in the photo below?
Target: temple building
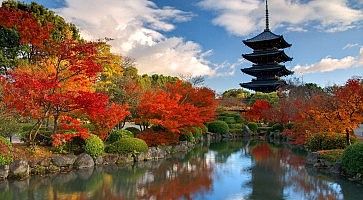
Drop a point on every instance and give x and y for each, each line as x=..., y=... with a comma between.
x=268, y=54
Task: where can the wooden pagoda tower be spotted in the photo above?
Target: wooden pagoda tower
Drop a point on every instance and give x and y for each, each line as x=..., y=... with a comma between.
x=268, y=54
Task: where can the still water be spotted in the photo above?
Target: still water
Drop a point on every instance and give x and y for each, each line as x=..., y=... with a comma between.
x=225, y=170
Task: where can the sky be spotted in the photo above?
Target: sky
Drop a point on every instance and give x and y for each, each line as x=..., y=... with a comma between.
x=204, y=37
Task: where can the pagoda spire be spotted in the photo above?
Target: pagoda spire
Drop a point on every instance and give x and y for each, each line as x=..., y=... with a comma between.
x=267, y=20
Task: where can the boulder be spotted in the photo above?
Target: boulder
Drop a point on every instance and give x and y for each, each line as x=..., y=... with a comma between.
x=122, y=159
x=99, y=160
x=84, y=161
x=312, y=158
x=19, y=169
x=4, y=172
x=110, y=159
x=63, y=160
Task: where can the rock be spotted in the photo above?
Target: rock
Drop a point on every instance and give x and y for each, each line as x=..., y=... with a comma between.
x=110, y=159
x=336, y=168
x=53, y=169
x=312, y=158
x=247, y=131
x=19, y=169
x=99, y=160
x=4, y=172
x=142, y=157
x=122, y=159
x=84, y=161
x=38, y=169
x=45, y=162
x=63, y=160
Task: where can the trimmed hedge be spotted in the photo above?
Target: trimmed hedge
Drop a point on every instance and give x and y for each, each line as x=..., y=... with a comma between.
x=187, y=137
x=236, y=131
x=220, y=127
x=6, y=148
x=94, y=146
x=127, y=145
x=236, y=126
x=352, y=159
x=326, y=141
x=252, y=126
x=118, y=134
x=197, y=132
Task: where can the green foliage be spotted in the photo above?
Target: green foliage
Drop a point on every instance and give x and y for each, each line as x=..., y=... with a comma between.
x=134, y=130
x=204, y=129
x=236, y=93
x=236, y=126
x=6, y=156
x=352, y=159
x=333, y=155
x=326, y=141
x=118, y=134
x=127, y=145
x=277, y=127
x=230, y=117
x=236, y=131
x=187, y=137
x=217, y=126
x=272, y=97
x=94, y=146
x=252, y=126
x=197, y=132
x=229, y=120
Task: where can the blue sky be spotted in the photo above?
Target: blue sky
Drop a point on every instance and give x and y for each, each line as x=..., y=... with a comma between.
x=204, y=37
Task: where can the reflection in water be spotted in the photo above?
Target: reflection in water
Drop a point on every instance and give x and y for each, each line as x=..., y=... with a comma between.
x=225, y=170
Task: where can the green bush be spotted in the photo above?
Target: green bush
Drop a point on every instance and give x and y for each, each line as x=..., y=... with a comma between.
x=236, y=131
x=94, y=146
x=187, y=137
x=134, y=130
x=118, y=134
x=229, y=120
x=352, y=159
x=204, y=129
x=127, y=145
x=236, y=126
x=197, y=132
x=333, y=155
x=325, y=141
x=220, y=127
x=277, y=127
x=6, y=148
x=252, y=126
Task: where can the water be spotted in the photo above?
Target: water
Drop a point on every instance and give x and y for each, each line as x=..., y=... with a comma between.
x=226, y=170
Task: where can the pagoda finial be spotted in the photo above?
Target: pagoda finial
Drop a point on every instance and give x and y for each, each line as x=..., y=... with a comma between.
x=267, y=21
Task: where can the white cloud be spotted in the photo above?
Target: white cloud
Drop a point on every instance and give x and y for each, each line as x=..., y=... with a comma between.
x=328, y=64
x=350, y=45
x=137, y=28
x=242, y=17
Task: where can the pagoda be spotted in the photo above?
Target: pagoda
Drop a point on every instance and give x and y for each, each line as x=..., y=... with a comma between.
x=268, y=54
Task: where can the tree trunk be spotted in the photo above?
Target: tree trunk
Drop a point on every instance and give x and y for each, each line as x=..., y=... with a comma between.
x=347, y=136
x=55, y=123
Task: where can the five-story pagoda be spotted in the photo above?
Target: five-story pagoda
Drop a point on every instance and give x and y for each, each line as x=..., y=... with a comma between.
x=267, y=55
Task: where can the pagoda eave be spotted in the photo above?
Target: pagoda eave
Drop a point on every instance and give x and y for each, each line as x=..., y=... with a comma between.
x=264, y=86
x=267, y=56
x=274, y=70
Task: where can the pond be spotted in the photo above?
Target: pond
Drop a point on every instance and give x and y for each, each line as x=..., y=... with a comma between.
x=224, y=170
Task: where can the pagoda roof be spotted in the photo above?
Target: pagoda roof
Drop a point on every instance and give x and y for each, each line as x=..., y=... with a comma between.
x=267, y=69
x=267, y=39
x=267, y=56
x=264, y=85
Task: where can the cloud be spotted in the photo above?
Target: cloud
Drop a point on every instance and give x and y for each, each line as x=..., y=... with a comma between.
x=328, y=64
x=350, y=45
x=242, y=17
x=138, y=28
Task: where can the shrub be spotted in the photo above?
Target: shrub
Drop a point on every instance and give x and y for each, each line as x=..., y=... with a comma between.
x=235, y=126
x=325, y=141
x=94, y=146
x=6, y=148
x=220, y=127
x=197, y=132
x=236, y=131
x=134, y=130
x=204, y=128
x=229, y=120
x=187, y=137
x=277, y=127
x=118, y=134
x=127, y=145
x=333, y=155
x=289, y=125
x=252, y=126
x=352, y=159
x=158, y=138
